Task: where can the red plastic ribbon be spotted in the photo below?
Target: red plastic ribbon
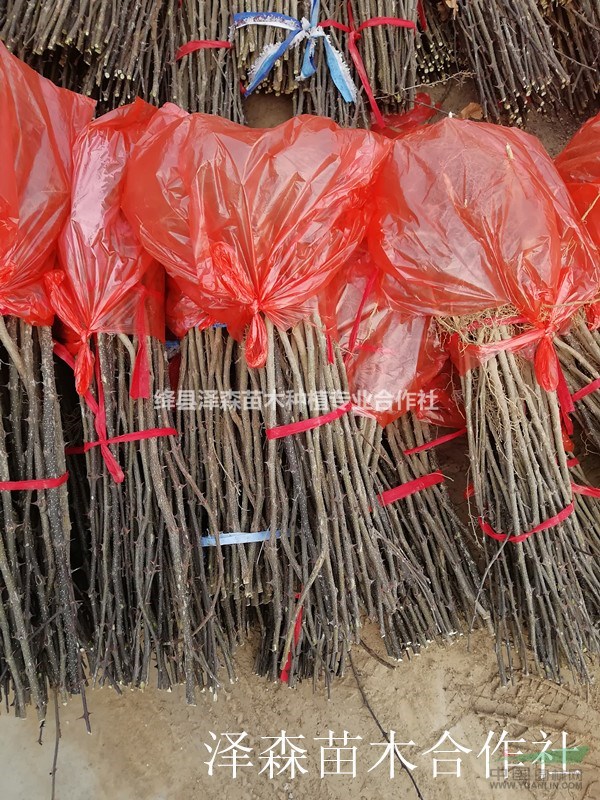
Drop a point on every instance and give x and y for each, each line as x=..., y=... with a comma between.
x=543, y=526
x=411, y=487
x=199, y=44
x=363, y=300
x=97, y=407
x=469, y=491
x=140, y=376
x=549, y=375
x=435, y=442
x=308, y=424
x=354, y=35
x=36, y=483
x=149, y=433
x=285, y=672
x=573, y=462
x=591, y=387
x=588, y=491
x=565, y=402
x=422, y=16
x=330, y=355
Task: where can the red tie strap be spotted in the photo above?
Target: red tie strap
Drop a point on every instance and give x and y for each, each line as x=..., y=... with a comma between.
x=308, y=424
x=36, y=483
x=284, y=677
x=97, y=408
x=591, y=387
x=149, y=433
x=588, y=491
x=354, y=33
x=411, y=487
x=543, y=526
x=199, y=44
x=357, y=319
x=435, y=442
x=330, y=353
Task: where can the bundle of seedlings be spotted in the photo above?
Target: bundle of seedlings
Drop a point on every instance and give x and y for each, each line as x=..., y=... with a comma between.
x=511, y=52
x=579, y=348
x=378, y=42
x=256, y=262
x=201, y=73
x=219, y=414
x=391, y=360
x=508, y=268
x=579, y=353
x=338, y=59
x=575, y=30
x=112, y=52
x=148, y=608
x=437, y=55
x=39, y=632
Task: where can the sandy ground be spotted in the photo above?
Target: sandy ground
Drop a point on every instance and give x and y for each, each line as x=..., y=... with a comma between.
x=151, y=746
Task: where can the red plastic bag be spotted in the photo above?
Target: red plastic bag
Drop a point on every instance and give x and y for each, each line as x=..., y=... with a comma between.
x=471, y=217
x=390, y=357
x=182, y=314
x=39, y=125
x=398, y=125
x=106, y=282
x=252, y=222
x=579, y=166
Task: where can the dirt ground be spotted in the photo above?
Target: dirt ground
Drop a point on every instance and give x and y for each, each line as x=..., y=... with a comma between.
x=151, y=746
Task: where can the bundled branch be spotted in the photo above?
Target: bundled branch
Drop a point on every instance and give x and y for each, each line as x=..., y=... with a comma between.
x=112, y=52
x=331, y=551
x=511, y=52
x=425, y=521
x=224, y=452
x=206, y=80
x=389, y=56
x=575, y=29
x=544, y=585
x=40, y=644
x=579, y=351
x=148, y=605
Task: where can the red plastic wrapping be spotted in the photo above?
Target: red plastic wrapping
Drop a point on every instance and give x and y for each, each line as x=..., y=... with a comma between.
x=252, y=222
x=398, y=125
x=390, y=357
x=470, y=217
x=182, y=314
x=106, y=282
x=579, y=166
x=39, y=125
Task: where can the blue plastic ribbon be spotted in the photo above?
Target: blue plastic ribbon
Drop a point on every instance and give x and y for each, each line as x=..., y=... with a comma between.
x=299, y=30
x=238, y=538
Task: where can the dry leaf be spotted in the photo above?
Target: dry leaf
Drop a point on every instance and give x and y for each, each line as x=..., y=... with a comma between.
x=472, y=111
x=453, y=6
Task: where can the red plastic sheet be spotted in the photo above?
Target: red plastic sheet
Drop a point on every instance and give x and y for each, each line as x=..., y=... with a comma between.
x=251, y=223
x=470, y=217
x=390, y=357
x=106, y=282
x=39, y=123
x=397, y=125
x=579, y=166
x=182, y=314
